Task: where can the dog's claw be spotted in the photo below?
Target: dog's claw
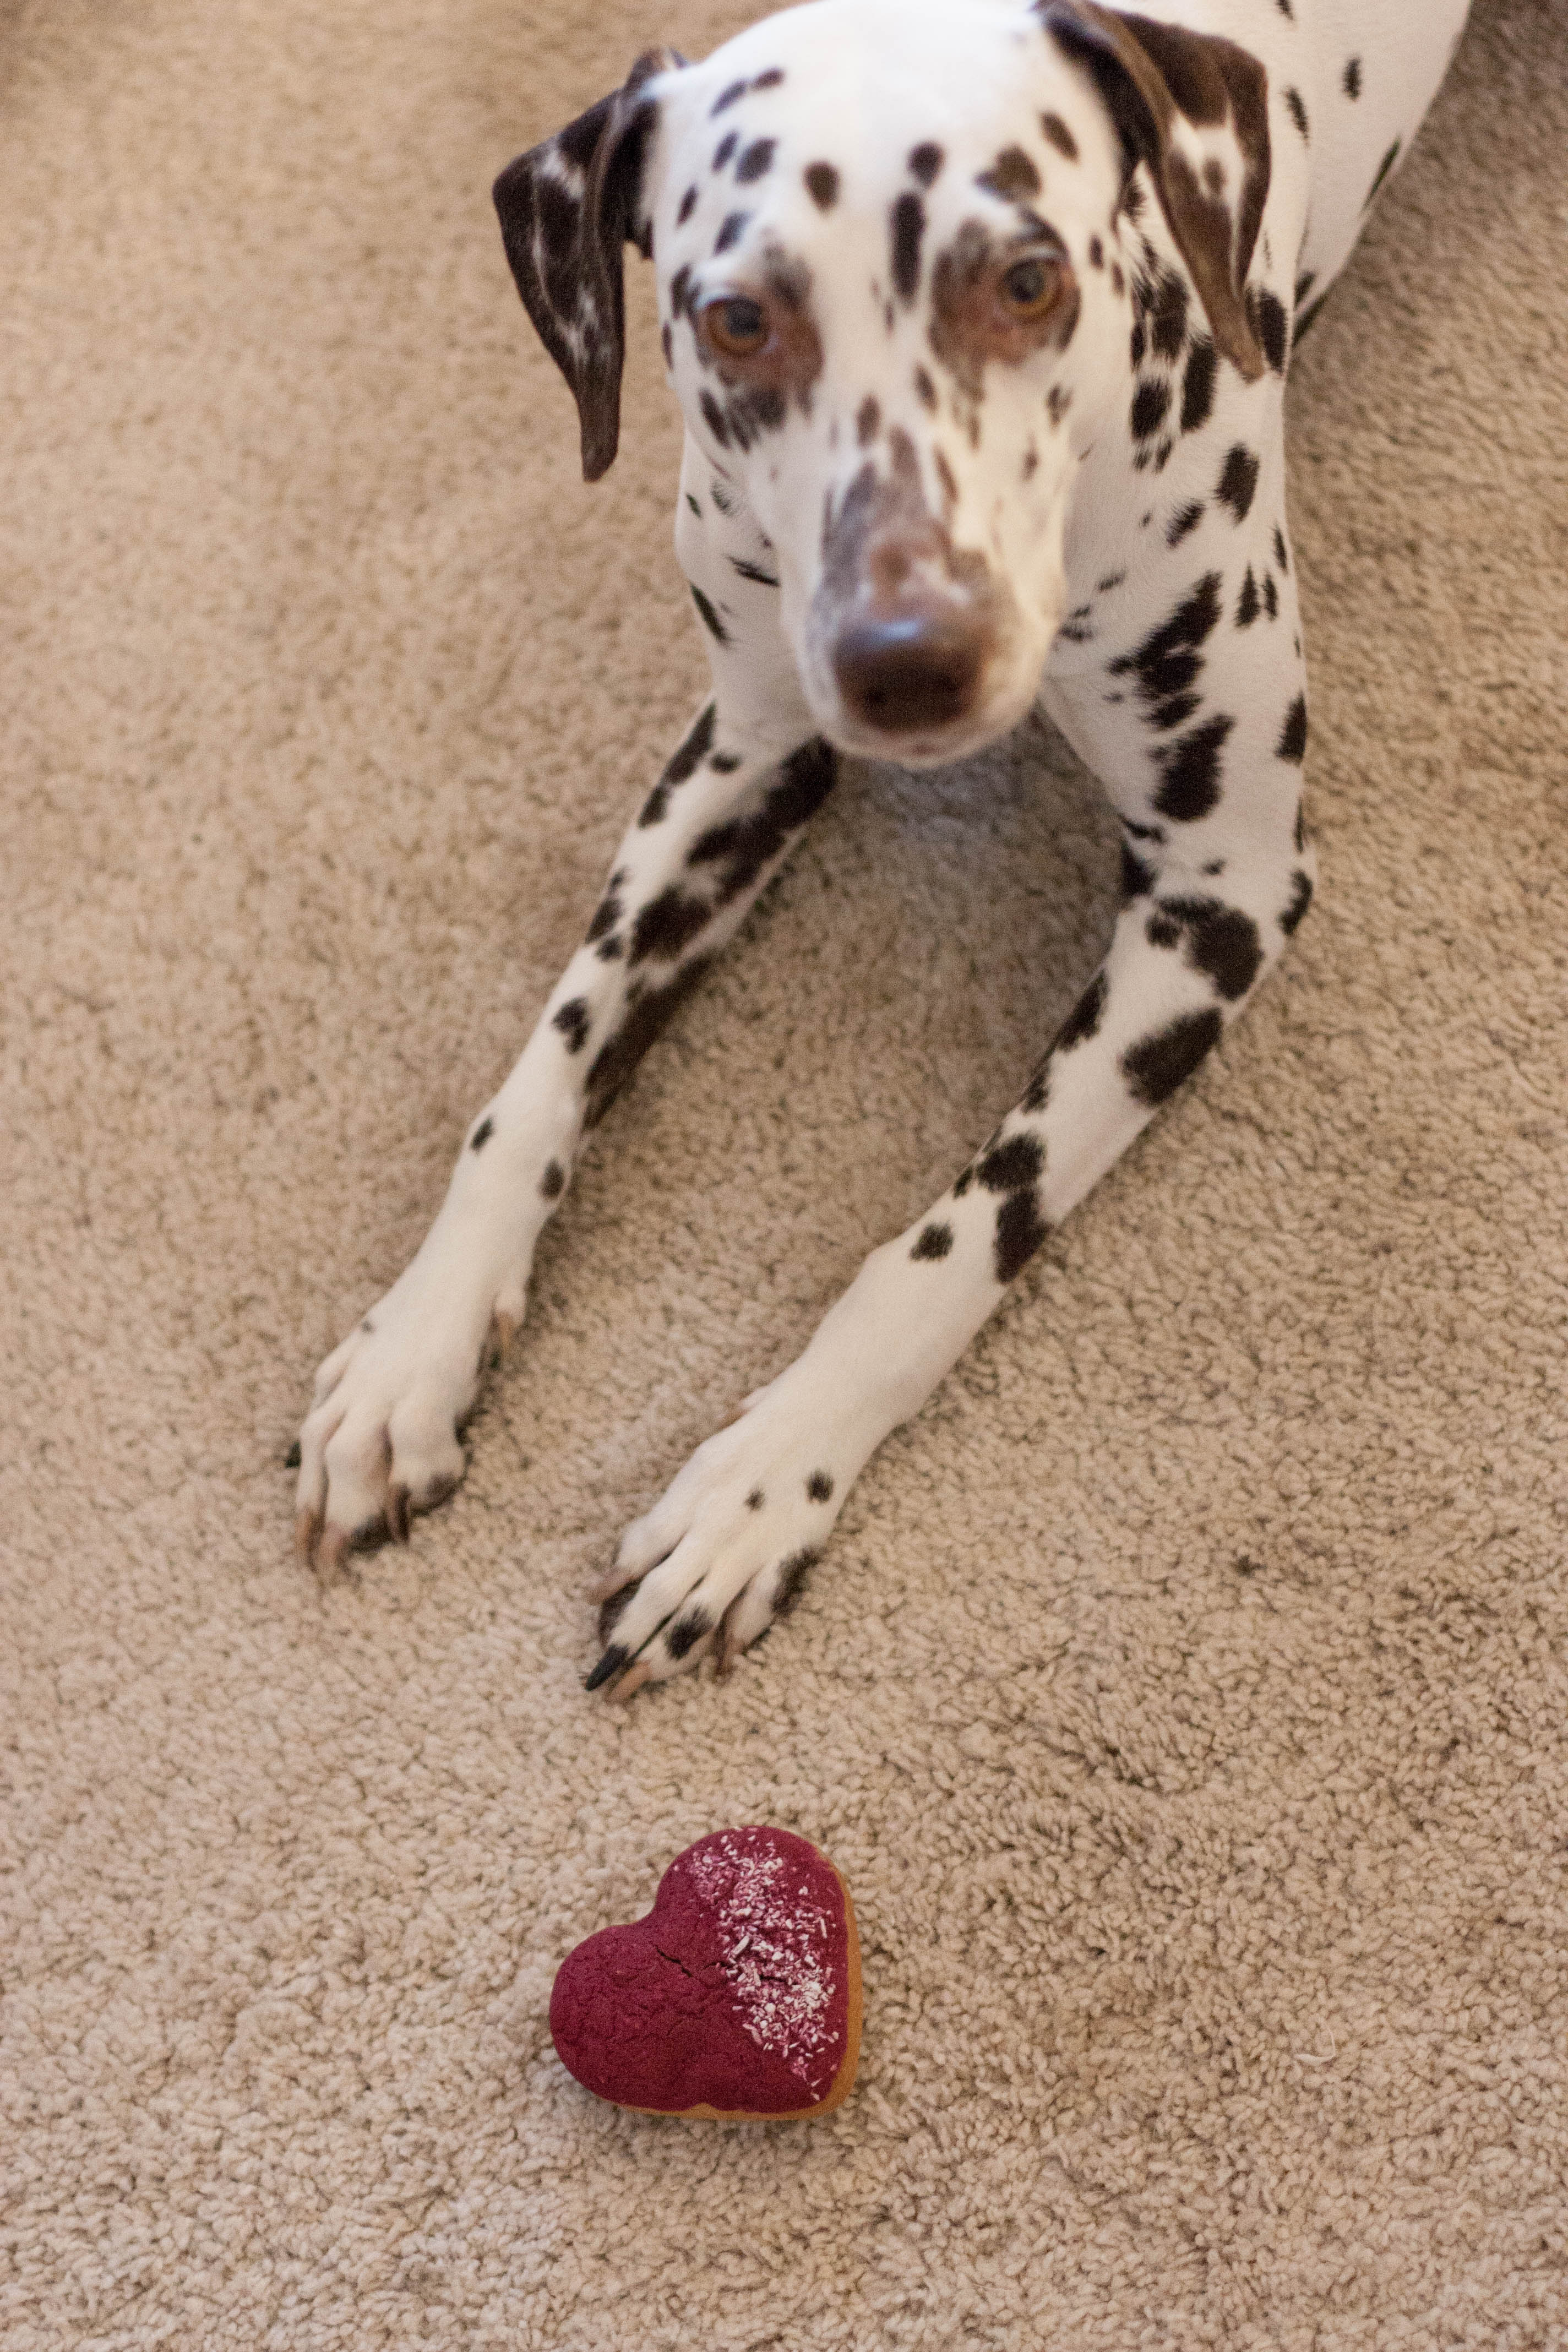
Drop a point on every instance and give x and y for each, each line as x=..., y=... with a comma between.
x=397, y=1514
x=632, y=1681
x=306, y=1528
x=729, y=1649
x=614, y=1659
x=331, y=1551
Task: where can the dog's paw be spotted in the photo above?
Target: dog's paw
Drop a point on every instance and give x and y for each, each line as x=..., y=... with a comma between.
x=728, y=1546
x=382, y=1438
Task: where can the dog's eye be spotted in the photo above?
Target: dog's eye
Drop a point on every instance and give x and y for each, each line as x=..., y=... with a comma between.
x=1030, y=286
x=736, y=326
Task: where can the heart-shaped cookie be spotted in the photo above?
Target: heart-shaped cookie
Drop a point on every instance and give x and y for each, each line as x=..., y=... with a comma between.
x=738, y=1996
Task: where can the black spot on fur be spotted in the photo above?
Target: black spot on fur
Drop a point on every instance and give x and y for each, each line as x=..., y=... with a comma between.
x=1189, y=772
x=771, y=79
x=1014, y=175
x=1157, y=1064
x=757, y=159
x=1292, y=743
x=713, y=417
x=819, y=1487
x=1221, y=941
x=741, y=848
x=710, y=620
x=1137, y=879
x=1083, y=1022
x=619, y=1055
x=1301, y=835
x=552, y=1183
x=822, y=186
x=730, y=231
x=725, y=148
x=668, y=924
x=724, y=763
x=1060, y=137
x=1096, y=254
x=482, y=1134
x=748, y=570
x=1280, y=558
x=682, y=764
x=934, y=1240
x=925, y=390
x=726, y=99
x=1350, y=84
x=1185, y=520
x=574, y=1020
x=1270, y=596
x=1383, y=170
x=1168, y=316
x=1239, y=481
x=1010, y=1166
x=868, y=418
x=1297, y=108
x=292, y=1459
x=1247, y=604
x=687, y=1631
x=1168, y=661
x=1300, y=899
x=1020, y=1230
x=925, y=161
x=1174, y=713
x=909, y=222
x=792, y=1579
x=687, y=206
x=1197, y=384
x=755, y=1499
x=1269, y=324
x=1150, y=403
x=693, y=505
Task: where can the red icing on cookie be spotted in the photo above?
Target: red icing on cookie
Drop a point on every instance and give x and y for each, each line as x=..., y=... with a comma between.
x=738, y=1994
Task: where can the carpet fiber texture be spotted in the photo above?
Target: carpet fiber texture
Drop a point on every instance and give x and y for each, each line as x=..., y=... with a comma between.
x=1184, y=1695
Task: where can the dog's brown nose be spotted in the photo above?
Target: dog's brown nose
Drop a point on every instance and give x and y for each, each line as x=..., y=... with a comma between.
x=913, y=666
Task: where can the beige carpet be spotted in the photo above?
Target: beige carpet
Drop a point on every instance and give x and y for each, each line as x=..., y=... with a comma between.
x=1185, y=1694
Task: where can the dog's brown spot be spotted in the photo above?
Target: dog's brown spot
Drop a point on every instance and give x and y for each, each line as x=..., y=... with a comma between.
x=971, y=323
x=1014, y=175
x=787, y=364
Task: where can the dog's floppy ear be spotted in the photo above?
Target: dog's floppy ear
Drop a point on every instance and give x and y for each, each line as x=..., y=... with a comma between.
x=566, y=209
x=1193, y=106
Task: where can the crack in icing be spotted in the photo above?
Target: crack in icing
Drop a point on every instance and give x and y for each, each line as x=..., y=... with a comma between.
x=776, y=1957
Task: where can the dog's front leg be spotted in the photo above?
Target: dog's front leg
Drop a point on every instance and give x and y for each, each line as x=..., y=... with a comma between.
x=382, y=1438
x=728, y=1546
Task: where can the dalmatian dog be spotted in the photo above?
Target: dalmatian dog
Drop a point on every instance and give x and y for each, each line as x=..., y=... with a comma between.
x=978, y=313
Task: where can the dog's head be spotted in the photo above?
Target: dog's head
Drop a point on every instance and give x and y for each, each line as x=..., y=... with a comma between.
x=895, y=307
